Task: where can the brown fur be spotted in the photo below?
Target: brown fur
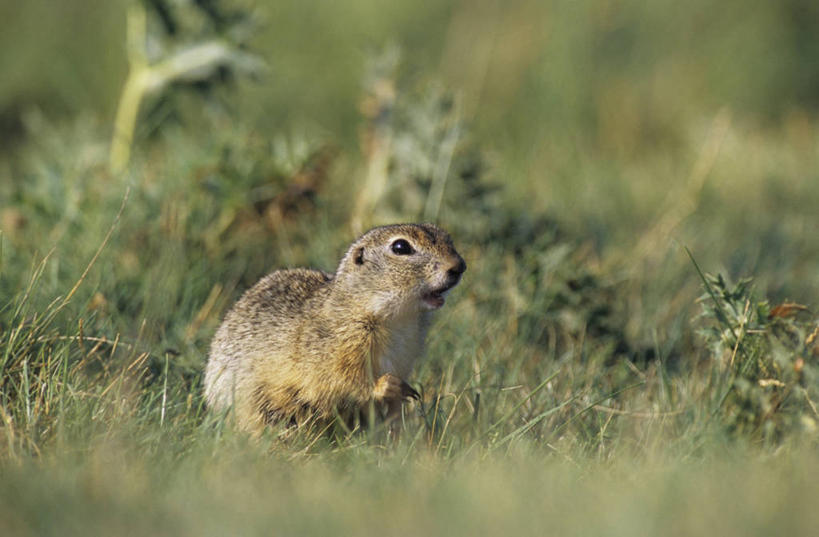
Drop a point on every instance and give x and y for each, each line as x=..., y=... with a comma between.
x=307, y=345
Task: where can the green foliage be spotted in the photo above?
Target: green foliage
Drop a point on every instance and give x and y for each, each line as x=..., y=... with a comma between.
x=769, y=356
x=184, y=44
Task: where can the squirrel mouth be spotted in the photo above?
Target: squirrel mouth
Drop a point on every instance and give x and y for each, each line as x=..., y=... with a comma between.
x=435, y=298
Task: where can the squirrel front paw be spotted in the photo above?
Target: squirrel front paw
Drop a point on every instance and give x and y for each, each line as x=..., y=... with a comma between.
x=389, y=388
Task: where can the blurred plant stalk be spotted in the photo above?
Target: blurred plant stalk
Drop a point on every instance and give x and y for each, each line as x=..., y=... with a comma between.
x=189, y=64
x=377, y=107
x=409, y=144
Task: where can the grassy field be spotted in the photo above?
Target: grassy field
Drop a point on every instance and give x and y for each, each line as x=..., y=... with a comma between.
x=634, y=349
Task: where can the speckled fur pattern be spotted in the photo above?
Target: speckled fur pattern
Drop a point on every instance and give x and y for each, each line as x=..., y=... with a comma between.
x=307, y=345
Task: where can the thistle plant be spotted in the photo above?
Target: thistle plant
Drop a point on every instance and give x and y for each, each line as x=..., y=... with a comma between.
x=765, y=359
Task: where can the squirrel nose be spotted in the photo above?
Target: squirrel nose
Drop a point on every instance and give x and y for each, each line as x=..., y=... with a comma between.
x=458, y=269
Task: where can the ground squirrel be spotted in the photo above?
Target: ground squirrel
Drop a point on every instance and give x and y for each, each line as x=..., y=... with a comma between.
x=305, y=345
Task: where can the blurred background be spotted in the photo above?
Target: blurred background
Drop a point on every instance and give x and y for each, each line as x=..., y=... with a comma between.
x=602, y=103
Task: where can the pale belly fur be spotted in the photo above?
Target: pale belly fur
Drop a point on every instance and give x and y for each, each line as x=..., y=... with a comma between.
x=403, y=350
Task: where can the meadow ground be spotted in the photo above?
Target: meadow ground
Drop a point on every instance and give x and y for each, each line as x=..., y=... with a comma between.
x=611, y=172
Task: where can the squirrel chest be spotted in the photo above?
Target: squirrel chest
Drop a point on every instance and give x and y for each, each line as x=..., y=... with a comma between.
x=404, y=344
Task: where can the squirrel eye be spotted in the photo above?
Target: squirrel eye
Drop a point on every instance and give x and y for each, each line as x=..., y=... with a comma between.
x=401, y=247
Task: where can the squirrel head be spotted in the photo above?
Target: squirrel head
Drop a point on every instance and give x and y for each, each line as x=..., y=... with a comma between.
x=404, y=268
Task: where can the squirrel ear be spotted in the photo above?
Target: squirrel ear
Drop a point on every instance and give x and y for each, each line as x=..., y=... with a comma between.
x=358, y=256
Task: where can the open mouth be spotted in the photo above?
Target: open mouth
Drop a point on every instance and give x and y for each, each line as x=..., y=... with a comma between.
x=435, y=299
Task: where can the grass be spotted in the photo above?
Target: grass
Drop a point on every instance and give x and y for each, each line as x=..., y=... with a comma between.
x=107, y=492
x=587, y=377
